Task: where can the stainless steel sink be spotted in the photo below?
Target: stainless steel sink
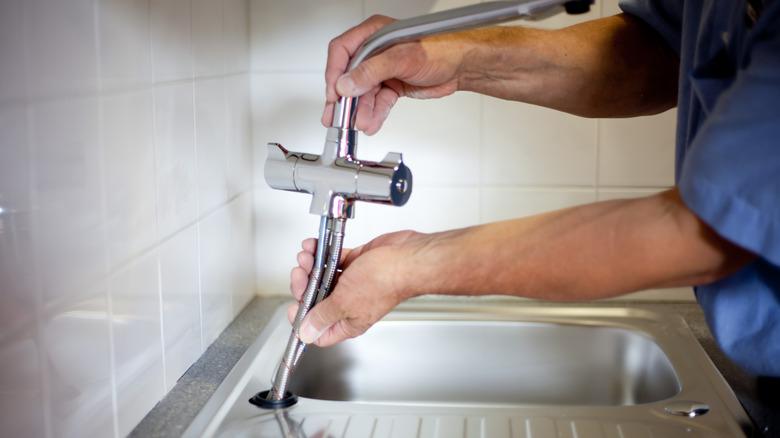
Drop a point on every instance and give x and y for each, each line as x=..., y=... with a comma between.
x=478, y=362
x=480, y=370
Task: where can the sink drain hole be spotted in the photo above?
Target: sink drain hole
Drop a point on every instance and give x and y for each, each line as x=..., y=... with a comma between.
x=261, y=400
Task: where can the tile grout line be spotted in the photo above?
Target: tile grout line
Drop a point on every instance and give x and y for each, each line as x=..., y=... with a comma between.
x=199, y=217
x=156, y=179
x=104, y=209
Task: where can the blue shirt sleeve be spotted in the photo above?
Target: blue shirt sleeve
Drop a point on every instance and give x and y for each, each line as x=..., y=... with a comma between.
x=665, y=16
x=731, y=174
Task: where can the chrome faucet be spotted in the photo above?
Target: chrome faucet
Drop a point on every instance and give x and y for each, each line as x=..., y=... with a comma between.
x=336, y=178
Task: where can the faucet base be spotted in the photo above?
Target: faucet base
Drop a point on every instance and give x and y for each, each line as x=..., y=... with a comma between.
x=262, y=401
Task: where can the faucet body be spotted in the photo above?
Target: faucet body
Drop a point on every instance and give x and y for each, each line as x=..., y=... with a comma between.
x=336, y=178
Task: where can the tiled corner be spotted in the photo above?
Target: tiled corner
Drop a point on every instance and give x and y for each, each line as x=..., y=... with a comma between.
x=210, y=135
x=171, y=39
x=242, y=251
x=77, y=354
x=180, y=288
x=440, y=139
x=294, y=34
x=137, y=340
x=125, y=48
x=207, y=44
x=127, y=134
x=501, y=203
x=637, y=152
x=529, y=145
x=174, y=141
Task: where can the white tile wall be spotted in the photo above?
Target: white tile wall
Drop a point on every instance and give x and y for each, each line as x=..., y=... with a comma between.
x=117, y=118
x=475, y=159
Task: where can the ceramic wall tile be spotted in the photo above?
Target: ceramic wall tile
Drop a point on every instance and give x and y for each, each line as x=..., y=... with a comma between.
x=62, y=48
x=238, y=142
x=21, y=388
x=180, y=288
x=210, y=136
x=216, y=265
x=207, y=44
x=286, y=109
x=528, y=145
x=501, y=203
x=127, y=135
x=125, y=48
x=174, y=140
x=171, y=39
x=411, y=8
x=137, y=340
x=68, y=217
x=13, y=68
x=294, y=34
x=440, y=139
x=88, y=146
x=78, y=356
x=235, y=22
x=242, y=277
x=610, y=7
x=16, y=241
x=637, y=152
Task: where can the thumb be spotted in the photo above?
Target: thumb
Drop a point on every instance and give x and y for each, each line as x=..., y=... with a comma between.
x=319, y=320
x=368, y=74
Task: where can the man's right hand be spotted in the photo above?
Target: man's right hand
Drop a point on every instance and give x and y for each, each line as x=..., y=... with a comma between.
x=420, y=69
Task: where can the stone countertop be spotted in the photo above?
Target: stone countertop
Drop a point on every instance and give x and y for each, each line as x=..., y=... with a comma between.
x=173, y=414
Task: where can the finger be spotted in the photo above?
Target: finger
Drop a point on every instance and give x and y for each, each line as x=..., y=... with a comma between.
x=319, y=319
x=309, y=245
x=365, y=110
x=336, y=333
x=299, y=279
x=371, y=73
x=327, y=115
x=383, y=102
x=341, y=49
x=305, y=260
x=292, y=310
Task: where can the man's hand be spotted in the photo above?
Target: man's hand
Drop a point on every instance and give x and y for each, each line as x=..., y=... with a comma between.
x=370, y=286
x=424, y=69
x=582, y=253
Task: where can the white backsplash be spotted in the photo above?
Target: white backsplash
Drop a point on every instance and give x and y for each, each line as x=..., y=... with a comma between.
x=126, y=226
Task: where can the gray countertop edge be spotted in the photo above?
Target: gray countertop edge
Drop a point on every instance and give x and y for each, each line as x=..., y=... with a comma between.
x=173, y=414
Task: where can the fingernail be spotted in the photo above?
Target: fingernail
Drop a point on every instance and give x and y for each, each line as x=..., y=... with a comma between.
x=309, y=334
x=324, y=113
x=346, y=86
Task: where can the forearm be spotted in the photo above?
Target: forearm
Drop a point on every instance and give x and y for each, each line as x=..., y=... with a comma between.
x=611, y=67
x=589, y=252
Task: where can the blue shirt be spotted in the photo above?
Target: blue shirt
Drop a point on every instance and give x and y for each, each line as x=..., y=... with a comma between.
x=728, y=156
